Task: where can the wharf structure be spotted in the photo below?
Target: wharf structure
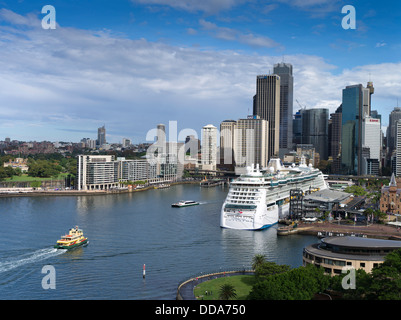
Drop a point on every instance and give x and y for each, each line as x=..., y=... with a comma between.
x=315, y=204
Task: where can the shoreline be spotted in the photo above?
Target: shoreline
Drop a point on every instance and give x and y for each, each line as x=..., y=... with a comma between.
x=43, y=193
x=377, y=231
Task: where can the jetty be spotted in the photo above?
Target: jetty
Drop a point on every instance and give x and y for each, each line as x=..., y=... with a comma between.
x=287, y=230
x=213, y=183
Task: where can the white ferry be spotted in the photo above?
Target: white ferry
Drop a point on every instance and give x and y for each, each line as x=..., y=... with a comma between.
x=256, y=200
x=186, y=203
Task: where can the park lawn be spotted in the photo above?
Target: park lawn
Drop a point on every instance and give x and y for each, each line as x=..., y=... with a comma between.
x=242, y=284
x=25, y=177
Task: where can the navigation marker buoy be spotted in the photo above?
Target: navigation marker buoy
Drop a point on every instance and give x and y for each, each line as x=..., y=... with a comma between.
x=144, y=272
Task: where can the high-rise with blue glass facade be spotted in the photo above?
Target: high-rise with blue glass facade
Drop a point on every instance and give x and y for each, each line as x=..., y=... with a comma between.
x=355, y=107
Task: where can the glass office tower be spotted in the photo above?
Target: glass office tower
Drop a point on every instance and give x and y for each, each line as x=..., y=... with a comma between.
x=315, y=130
x=351, y=135
x=267, y=106
x=284, y=70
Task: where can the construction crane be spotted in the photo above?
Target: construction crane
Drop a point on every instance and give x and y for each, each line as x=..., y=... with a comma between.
x=302, y=107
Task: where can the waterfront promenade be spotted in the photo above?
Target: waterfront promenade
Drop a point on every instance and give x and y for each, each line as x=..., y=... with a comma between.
x=39, y=193
x=185, y=290
x=30, y=192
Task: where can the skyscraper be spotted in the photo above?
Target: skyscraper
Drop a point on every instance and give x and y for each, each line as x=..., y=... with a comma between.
x=192, y=145
x=315, y=130
x=371, y=141
x=251, y=143
x=297, y=128
x=227, y=133
x=209, y=147
x=267, y=107
x=335, y=152
x=398, y=148
x=355, y=107
x=371, y=91
x=284, y=70
x=168, y=156
x=161, y=139
x=394, y=116
x=101, y=136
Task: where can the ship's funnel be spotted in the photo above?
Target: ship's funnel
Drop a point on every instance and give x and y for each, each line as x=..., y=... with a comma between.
x=303, y=162
x=275, y=163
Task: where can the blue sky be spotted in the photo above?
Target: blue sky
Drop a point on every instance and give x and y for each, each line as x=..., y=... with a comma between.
x=131, y=64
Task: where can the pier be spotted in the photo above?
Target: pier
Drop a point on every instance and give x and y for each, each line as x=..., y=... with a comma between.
x=214, y=183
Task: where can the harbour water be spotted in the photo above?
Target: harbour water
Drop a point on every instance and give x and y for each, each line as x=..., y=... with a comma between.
x=125, y=232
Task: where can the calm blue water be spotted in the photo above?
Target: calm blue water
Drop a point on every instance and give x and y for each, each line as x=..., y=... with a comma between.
x=126, y=231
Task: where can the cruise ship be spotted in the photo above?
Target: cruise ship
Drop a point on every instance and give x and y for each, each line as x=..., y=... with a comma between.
x=259, y=198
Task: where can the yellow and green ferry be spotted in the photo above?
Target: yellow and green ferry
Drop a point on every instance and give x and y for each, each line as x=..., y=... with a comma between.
x=73, y=239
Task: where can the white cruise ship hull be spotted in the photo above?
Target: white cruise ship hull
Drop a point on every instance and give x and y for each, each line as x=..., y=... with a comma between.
x=256, y=201
x=258, y=221
x=261, y=219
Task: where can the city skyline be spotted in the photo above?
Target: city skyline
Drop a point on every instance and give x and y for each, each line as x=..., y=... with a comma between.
x=134, y=64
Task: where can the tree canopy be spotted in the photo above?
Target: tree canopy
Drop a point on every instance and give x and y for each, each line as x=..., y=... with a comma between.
x=383, y=283
x=43, y=169
x=356, y=190
x=297, y=284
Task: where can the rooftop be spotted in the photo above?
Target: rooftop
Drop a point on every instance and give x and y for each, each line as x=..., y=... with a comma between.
x=328, y=195
x=358, y=242
x=353, y=248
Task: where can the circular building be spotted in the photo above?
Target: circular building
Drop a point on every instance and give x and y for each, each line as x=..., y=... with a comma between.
x=336, y=253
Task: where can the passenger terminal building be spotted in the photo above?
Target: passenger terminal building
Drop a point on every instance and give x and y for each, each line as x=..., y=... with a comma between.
x=335, y=253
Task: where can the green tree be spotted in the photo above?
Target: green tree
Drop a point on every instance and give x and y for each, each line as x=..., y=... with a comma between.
x=379, y=215
x=227, y=291
x=383, y=283
x=363, y=282
x=257, y=260
x=3, y=174
x=268, y=268
x=297, y=284
x=368, y=212
x=356, y=190
x=43, y=168
x=386, y=278
x=70, y=166
x=6, y=172
x=18, y=172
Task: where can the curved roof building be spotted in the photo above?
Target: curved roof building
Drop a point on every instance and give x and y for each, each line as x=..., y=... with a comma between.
x=335, y=254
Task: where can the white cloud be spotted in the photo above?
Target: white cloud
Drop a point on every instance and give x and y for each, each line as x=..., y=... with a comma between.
x=316, y=8
x=380, y=44
x=69, y=79
x=236, y=35
x=16, y=19
x=207, y=6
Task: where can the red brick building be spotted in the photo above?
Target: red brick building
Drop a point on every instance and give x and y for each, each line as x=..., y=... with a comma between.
x=390, y=200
